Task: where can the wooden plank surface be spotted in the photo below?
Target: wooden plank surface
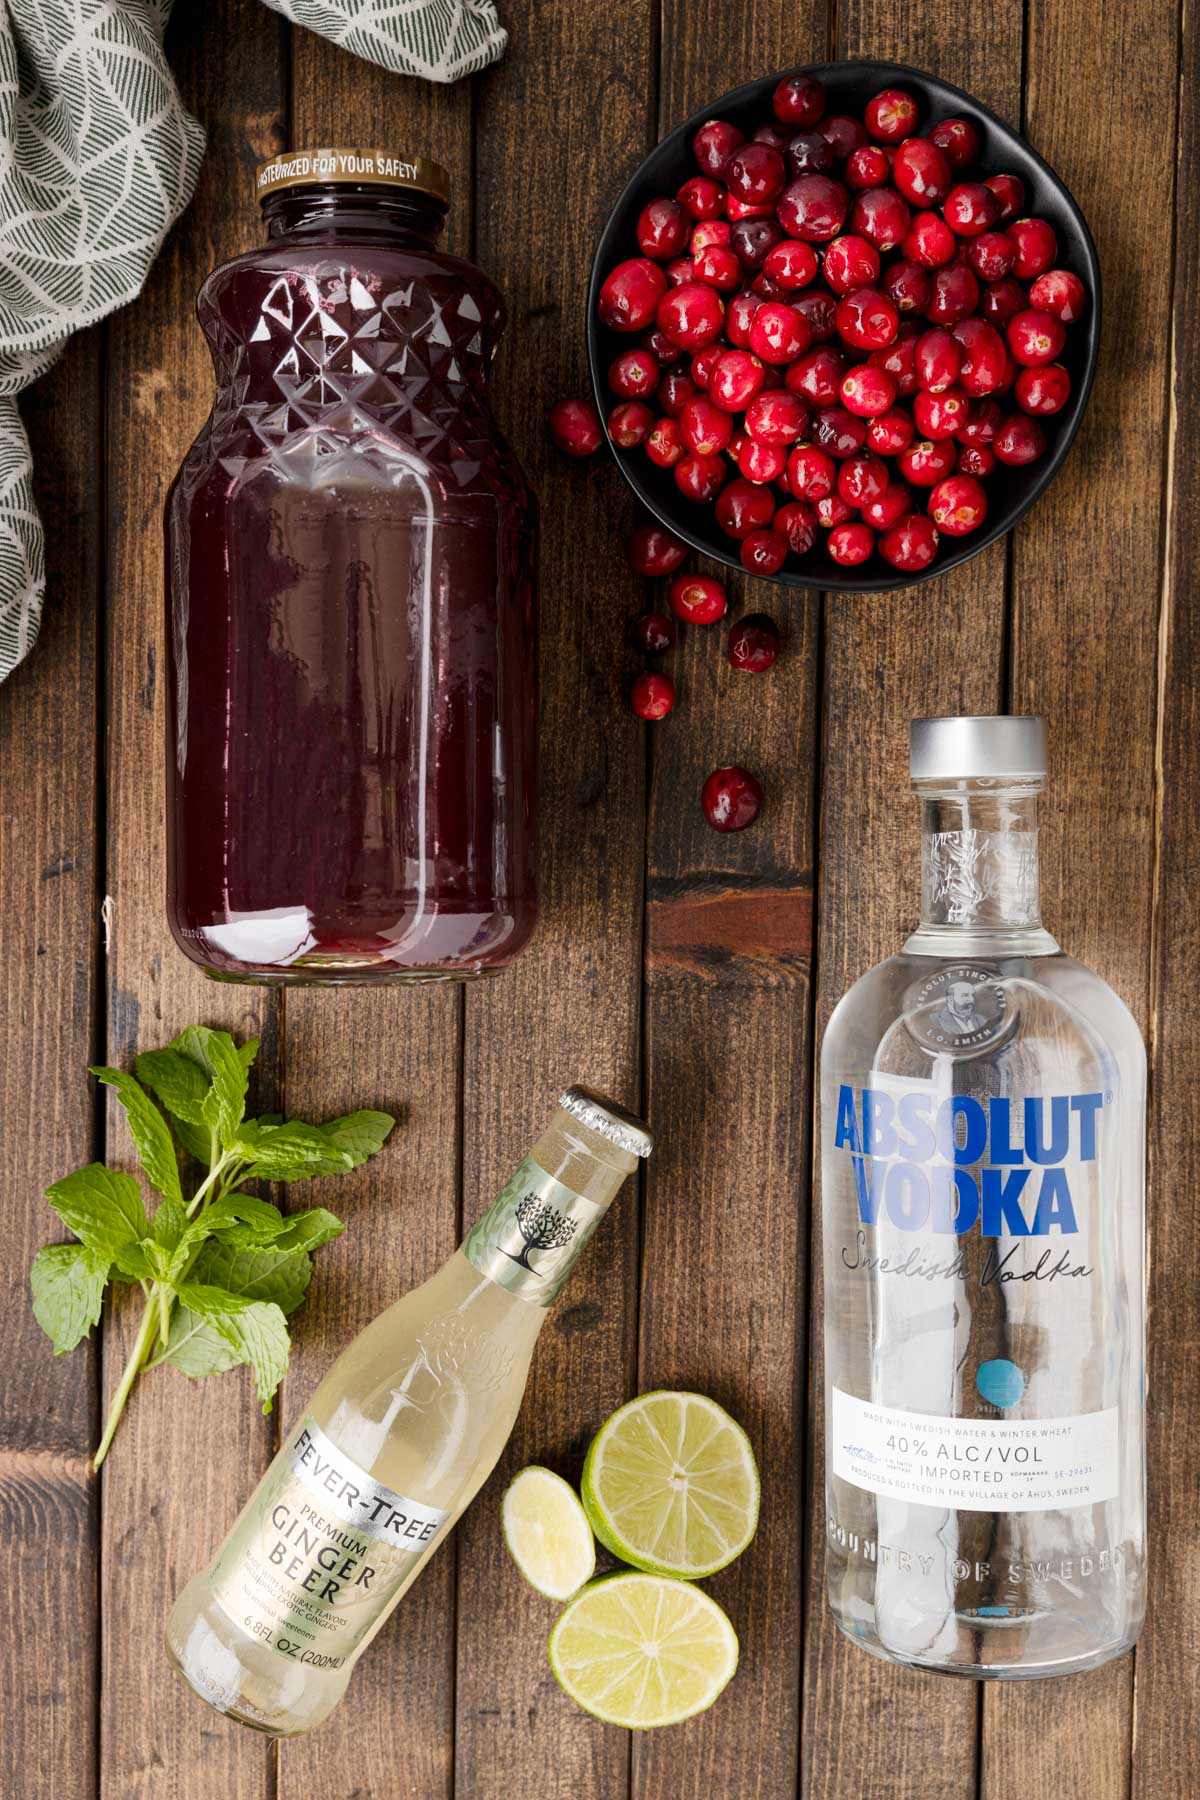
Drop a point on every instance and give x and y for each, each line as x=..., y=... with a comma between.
x=49, y=1498
x=188, y=1452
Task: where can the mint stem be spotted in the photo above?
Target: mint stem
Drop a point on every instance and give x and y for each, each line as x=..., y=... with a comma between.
x=137, y=1356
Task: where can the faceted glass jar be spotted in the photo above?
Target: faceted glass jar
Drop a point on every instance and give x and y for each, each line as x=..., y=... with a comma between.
x=350, y=614
x=988, y=1286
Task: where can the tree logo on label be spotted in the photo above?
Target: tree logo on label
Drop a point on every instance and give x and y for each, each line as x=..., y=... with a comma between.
x=543, y=1227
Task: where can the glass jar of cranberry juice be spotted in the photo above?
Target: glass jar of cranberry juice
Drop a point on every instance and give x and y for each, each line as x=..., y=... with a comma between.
x=350, y=578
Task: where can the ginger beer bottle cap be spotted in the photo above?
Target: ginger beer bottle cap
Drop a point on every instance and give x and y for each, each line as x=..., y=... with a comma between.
x=608, y=1120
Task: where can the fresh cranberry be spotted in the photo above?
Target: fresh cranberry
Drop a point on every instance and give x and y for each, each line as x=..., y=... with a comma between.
x=700, y=478
x=890, y=115
x=1043, y=390
x=731, y=798
x=938, y=360
x=1019, y=440
x=681, y=270
x=755, y=173
x=575, y=427
x=779, y=334
x=991, y=255
x=850, y=544
x=798, y=523
x=970, y=209
x=940, y=415
x=653, y=550
x=926, y=462
x=881, y=215
x=691, y=316
x=910, y=544
x=1035, y=337
x=833, y=510
x=817, y=377
x=1061, y=293
x=665, y=445
x=739, y=316
x=867, y=319
x=899, y=359
x=744, y=507
x=630, y=424
x=861, y=478
x=736, y=377
x=811, y=474
x=1002, y=301
x=717, y=265
x=958, y=505
x=867, y=390
x=702, y=197
x=701, y=364
x=770, y=133
x=714, y=144
x=820, y=310
x=837, y=431
x=1036, y=247
x=813, y=208
x=752, y=241
x=808, y=153
x=674, y=391
x=867, y=168
x=976, y=460
x=791, y=263
x=892, y=504
x=958, y=140
x=662, y=229
x=983, y=357
x=1010, y=196
x=697, y=599
x=629, y=296
x=652, y=696
x=634, y=375
x=799, y=100
x=779, y=417
x=708, y=231
x=930, y=241
x=753, y=643
x=758, y=461
x=763, y=552
x=984, y=419
x=953, y=293
x=843, y=134
x=705, y=428
x=653, y=633
x=660, y=345
x=850, y=262
x=737, y=210
x=921, y=172
x=907, y=285
x=890, y=432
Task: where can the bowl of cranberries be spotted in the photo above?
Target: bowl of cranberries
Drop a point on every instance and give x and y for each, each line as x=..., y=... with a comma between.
x=842, y=327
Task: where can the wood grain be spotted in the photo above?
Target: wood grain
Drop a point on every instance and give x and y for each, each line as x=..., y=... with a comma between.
x=49, y=1511
x=399, y=1050
x=1084, y=653
x=888, y=659
x=187, y=1453
x=569, y=1010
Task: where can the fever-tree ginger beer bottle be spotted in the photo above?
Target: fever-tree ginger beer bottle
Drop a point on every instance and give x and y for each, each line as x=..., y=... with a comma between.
x=983, y=1144
x=395, y=1443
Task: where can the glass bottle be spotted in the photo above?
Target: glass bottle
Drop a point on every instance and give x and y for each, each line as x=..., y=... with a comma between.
x=350, y=602
x=395, y=1443
x=983, y=1150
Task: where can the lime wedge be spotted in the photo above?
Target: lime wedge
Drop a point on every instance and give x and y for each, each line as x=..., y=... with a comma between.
x=670, y=1485
x=642, y=1650
x=547, y=1533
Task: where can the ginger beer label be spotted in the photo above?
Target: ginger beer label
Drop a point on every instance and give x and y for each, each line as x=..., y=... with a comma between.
x=319, y=1553
x=530, y=1237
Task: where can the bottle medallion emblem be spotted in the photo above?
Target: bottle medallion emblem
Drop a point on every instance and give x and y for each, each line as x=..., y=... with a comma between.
x=963, y=1007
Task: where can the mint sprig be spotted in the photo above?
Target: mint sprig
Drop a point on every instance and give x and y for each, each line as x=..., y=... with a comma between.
x=221, y=1269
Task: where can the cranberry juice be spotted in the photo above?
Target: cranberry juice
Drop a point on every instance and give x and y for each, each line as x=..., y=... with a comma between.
x=350, y=603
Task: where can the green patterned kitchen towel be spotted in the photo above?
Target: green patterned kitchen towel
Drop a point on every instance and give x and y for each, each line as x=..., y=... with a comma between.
x=97, y=160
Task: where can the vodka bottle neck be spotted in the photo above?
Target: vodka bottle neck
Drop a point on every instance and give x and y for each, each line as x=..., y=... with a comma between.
x=979, y=868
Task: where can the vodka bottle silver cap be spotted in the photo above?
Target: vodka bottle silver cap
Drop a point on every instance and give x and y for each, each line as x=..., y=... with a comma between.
x=608, y=1120
x=977, y=748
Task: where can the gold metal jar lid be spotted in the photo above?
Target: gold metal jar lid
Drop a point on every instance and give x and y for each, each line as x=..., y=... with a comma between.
x=373, y=168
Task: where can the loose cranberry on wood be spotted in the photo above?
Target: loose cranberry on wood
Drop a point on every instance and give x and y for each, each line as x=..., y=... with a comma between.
x=575, y=427
x=652, y=695
x=697, y=599
x=753, y=644
x=653, y=633
x=731, y=798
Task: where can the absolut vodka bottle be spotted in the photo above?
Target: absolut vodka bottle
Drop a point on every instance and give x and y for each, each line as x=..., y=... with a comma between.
x=982, y=1125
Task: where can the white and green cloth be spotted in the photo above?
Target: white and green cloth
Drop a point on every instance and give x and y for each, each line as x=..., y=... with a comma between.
x=97, y=160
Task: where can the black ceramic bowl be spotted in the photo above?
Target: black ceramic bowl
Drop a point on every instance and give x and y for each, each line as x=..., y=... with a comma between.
x=849, y=85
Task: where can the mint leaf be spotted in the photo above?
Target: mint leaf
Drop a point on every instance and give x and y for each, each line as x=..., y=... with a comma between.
x=242, y=1217
x=179, y=1082
x=216, y=1053
x=305, y=1230
x=248, y=1051
x=148, y=1129
x=68, y=1282
x=101, y=1206
x=196, y=1348
x=256, y=1329
x=358, y=1134
x=170, y=1224
x=133, y=1260
x=259, y=1273
x=292, y=1152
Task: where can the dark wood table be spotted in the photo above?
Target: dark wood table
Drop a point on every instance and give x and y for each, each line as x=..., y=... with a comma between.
x=685, y=971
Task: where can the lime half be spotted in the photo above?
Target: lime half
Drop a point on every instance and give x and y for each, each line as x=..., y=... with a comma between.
x=643, y=1650
x=547, y=1533
x=670, y=1485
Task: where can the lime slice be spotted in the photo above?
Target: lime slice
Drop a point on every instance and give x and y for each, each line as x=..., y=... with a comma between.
x=670, y=1485
x=547, y=1533
x=643, y=1650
